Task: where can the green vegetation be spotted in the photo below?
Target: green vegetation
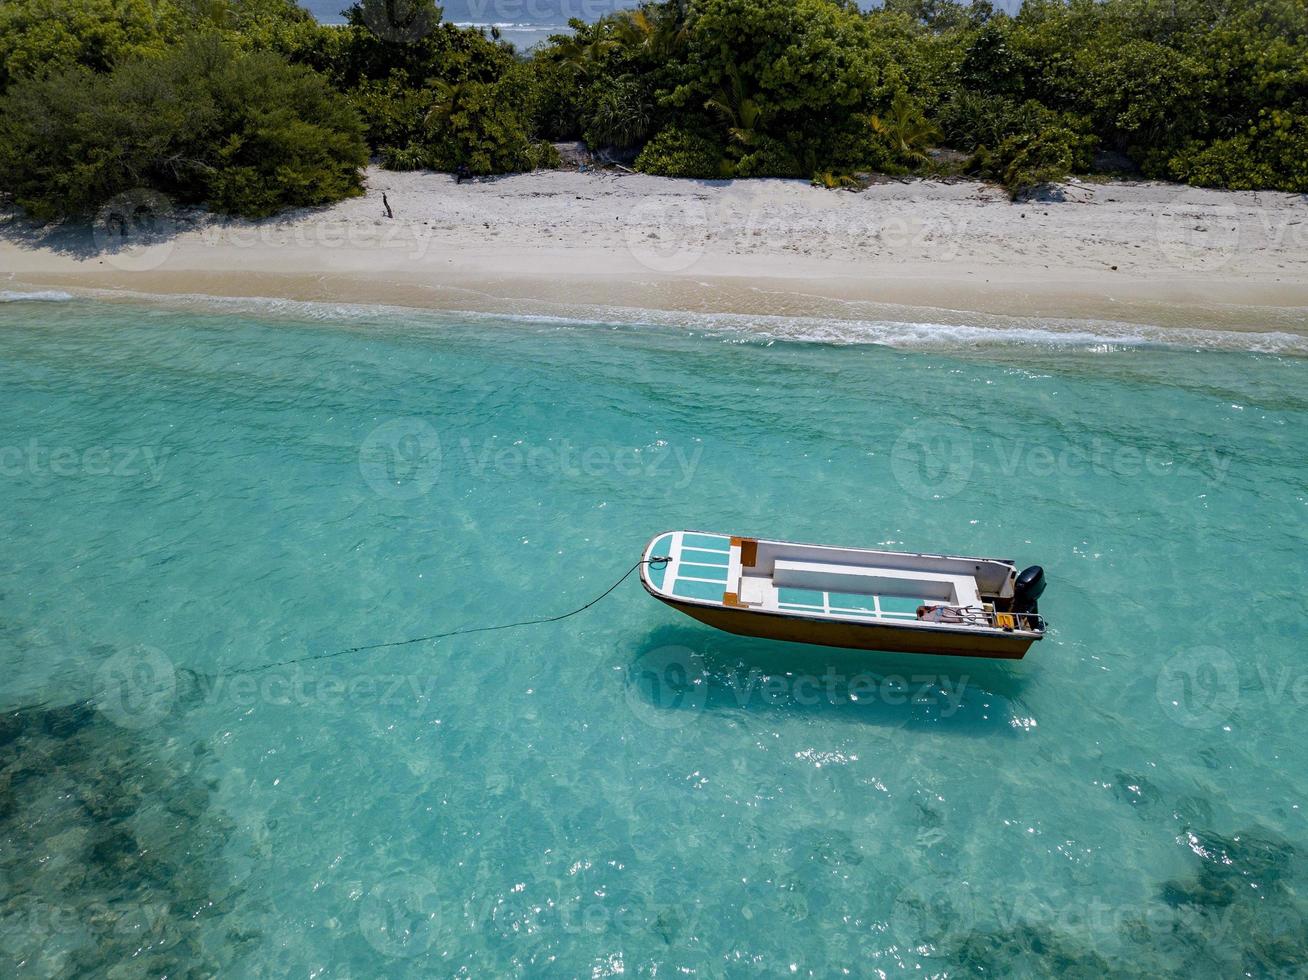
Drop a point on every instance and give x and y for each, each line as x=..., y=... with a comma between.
x=249, y=106
x=246, y=132
x=190, y=98
x=1212, y=92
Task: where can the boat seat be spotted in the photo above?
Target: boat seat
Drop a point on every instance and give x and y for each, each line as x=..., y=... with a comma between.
x=955, y=590
x=754, y=590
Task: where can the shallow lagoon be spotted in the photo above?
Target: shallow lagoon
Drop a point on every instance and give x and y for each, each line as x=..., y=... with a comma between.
x=192, y=493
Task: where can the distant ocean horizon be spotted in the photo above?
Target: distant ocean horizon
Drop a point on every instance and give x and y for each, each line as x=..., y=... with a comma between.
x=534, y=13
x=525, y=23
x=528, y=19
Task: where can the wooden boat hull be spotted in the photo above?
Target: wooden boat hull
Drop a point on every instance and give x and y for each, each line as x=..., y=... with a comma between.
x=860, y=599
x=854, y=636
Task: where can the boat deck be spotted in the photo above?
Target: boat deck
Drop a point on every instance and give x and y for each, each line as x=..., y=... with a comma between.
x=707, y=568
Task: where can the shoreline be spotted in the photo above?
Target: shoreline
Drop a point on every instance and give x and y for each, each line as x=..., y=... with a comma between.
x=900, y=328
x=558, y=243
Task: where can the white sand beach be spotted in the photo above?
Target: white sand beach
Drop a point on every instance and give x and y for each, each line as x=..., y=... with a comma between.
x=573, y=243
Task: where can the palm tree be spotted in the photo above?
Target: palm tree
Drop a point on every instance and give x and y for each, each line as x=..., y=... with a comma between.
x=447, y=99
x=587, y=47
x=635, y=29
x=658, y=34
x=741, y=112
x=906, y=128
x=833, y=181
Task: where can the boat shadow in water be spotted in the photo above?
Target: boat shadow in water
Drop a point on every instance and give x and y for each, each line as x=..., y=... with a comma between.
x=677, y=672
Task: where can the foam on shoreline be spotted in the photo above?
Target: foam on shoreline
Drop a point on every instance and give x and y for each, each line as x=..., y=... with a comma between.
x=34, y=296
x=971, y=331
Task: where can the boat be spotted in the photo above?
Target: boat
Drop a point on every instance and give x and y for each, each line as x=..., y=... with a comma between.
x=847, y=597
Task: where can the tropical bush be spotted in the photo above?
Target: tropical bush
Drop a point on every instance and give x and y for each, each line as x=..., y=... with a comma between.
x=252, y=106
x=480, y=126
x=1028, y=160
x=620, y=114
x=768, y=157
x=42, y=38
x=677, y=152
x=247, y=133
x=905, y=130
x=802, y=72
x=1275, y=152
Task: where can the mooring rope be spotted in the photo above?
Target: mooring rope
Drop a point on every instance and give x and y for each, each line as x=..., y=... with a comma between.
x=657, y=560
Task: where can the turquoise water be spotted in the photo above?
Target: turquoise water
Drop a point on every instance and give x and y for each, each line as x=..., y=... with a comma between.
x=188, y=494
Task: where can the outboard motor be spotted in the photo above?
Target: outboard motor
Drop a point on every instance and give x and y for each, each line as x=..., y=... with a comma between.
x=1028, y=588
